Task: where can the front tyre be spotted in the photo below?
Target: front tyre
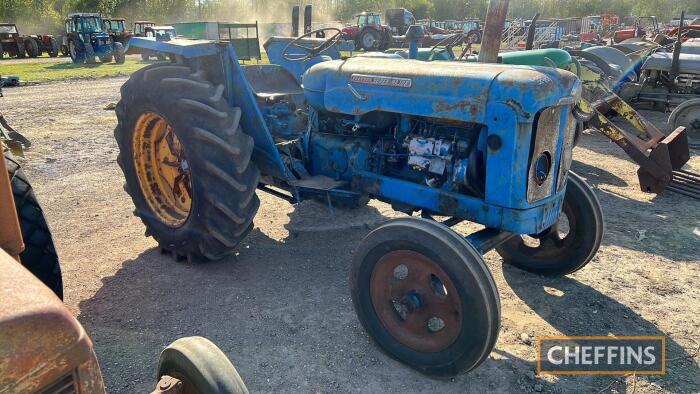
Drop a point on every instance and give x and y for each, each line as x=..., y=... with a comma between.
x=570, y=244
x=76, y=51
x=425, y=295
x=186, y=161
x=39, y=255
x=201, y=367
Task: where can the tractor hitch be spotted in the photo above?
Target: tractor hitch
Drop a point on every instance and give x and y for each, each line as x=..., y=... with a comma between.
x=660, y=157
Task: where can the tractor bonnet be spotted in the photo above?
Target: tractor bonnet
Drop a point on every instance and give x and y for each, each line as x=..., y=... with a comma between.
x=456, y=91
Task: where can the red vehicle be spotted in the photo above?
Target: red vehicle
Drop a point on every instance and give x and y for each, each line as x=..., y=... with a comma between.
x=643, y=26
x=368, y=32
x=14, y=44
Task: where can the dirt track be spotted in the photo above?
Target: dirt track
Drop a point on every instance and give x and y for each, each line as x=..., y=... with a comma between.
x=281, y=308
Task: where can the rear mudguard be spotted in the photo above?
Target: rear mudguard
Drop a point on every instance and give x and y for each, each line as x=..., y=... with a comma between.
x=222, y=66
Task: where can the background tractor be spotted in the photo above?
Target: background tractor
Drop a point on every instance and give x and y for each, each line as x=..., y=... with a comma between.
x=116, y=29
x=368, y=32
x=452, y=142
x=13, y=44
x=85, y=39
x=140, y=28
x=47, y=44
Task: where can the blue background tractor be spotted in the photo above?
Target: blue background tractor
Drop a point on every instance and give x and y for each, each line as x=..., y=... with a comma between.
x=85, y=40
x=442, y=142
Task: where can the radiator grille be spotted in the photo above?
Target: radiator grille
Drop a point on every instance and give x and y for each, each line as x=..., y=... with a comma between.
x=65, y=385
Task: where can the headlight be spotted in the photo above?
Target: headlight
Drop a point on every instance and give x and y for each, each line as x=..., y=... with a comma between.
x=543, y=165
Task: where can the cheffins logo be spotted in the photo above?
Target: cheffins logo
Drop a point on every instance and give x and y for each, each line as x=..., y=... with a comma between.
x=601, y=355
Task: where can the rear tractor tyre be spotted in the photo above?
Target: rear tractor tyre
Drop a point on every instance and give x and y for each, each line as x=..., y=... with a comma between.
x=119, y=55
x=21, y=50
x=426, y=296
x=186, y=161
x=39, y=255
x=32, y=48
x=687, y=115
x=201, y=367
x=2, y=53
x=55, y=48
x=567, y=246
x=370, y=40
x=106, y=59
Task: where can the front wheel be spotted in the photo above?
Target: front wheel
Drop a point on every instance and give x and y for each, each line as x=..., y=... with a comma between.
x=76, y=50
x=119, y=55
x=201, y=367
x=425, y=295
x=568, y=245
x=39, y=255
x=186, y=161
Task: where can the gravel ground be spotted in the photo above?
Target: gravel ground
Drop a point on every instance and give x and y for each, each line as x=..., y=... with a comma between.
x=281, y=309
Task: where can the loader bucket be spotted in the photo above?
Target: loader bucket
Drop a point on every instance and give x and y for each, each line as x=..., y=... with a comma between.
x=660, y=157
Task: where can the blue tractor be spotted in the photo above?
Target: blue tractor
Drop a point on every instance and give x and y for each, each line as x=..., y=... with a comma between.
x=442, y=142
x=85, y=40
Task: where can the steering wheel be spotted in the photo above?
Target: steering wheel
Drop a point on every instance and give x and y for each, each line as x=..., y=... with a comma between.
x=311, y=51
x=447, y=42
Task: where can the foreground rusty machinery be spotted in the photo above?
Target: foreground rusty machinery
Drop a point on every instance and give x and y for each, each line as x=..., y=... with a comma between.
x=44, y=349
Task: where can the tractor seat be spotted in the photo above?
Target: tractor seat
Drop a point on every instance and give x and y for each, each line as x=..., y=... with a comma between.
x=271, y=80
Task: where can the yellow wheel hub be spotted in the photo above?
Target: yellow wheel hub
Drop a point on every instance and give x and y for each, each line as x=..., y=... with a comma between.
x=162, y=169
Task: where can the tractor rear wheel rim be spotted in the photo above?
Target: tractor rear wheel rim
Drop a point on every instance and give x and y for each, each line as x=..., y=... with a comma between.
x=416, y=301
x=690, y=118
x=162, y=169
x=368, y=40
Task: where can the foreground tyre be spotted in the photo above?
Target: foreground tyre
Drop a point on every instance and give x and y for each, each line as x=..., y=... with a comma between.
x=568, y=245
x=39, y=255
x=201, y=367
x=425, y=295
x=186, y=161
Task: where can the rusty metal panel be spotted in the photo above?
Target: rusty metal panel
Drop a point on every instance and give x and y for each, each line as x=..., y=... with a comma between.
x=546, y=140
x=40, y=341
x=567, y=150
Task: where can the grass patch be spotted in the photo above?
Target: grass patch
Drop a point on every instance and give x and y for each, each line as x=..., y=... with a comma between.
x=50, y=71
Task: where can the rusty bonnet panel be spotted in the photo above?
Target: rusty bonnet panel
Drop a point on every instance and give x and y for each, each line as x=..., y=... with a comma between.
x=449, y=90
x=40, y=341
